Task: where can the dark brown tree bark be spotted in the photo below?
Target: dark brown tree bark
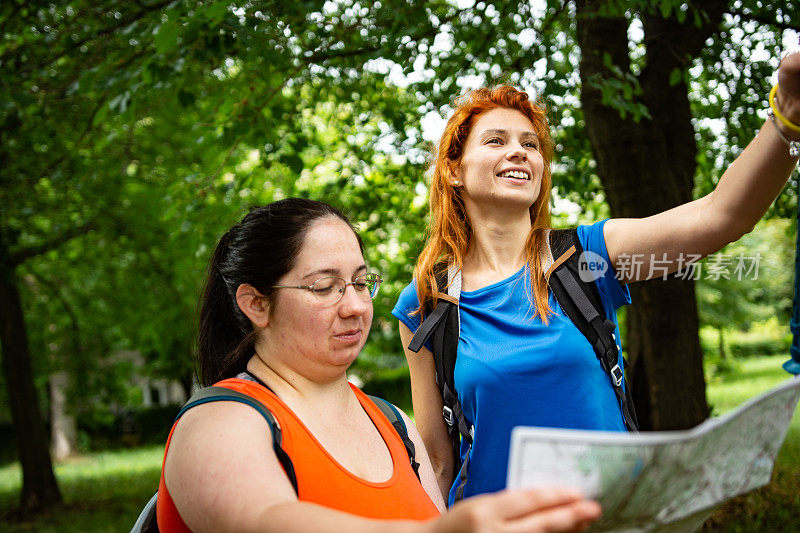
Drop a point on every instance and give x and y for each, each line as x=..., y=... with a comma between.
x=647, y=167
x=39, y=487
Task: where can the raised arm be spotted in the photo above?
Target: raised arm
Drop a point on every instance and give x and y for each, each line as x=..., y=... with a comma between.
x=428, y=412
x=742, y=196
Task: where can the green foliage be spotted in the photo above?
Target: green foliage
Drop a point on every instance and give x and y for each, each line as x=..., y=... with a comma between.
x=393, y=385
x=133, y=133
x=621, y=90
x=754, y=347
x=729, y=86
x=101, y=430
x=733, y=300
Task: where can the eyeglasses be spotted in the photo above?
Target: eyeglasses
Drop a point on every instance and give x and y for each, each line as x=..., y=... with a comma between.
x=329, y=290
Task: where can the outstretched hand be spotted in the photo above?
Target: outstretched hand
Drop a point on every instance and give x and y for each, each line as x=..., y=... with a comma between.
x=788, y=97
x=523, y=511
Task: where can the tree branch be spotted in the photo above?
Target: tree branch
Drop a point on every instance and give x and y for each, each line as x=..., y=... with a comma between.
x=30, y=67
x=23, y=254
x=71, y=314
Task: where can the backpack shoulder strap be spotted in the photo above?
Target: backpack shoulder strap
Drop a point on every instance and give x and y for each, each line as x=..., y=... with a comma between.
x=396, y=419
x=434, y=315
x=572, y=283
x=443, y=323
x=216, y=394
x=146, y=523
x=567, y=254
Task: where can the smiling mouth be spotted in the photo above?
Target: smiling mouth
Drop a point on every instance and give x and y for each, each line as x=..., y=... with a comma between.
x=516, y=174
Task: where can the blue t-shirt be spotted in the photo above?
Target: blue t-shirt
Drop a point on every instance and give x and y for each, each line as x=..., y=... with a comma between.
x=513, y=370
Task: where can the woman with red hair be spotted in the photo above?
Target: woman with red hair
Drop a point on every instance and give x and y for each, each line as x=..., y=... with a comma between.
x=521, y=361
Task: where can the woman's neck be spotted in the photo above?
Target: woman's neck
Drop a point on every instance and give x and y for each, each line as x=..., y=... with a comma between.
x=296, y=390
x=497, y=248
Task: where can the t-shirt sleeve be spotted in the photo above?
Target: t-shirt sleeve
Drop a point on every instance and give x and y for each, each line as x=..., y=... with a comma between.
x=593, y=240
x=407, y=303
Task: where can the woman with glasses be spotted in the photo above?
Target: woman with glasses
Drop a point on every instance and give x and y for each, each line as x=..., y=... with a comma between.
x=285, y=311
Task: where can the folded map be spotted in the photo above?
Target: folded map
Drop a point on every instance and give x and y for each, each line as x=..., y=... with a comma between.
x=660, y=481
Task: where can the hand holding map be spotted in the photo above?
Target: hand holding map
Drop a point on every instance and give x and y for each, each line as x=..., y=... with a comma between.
x=660, y=481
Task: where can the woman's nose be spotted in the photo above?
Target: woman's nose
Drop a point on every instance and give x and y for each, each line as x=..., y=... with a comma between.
x=516, y=152
x=353, y=303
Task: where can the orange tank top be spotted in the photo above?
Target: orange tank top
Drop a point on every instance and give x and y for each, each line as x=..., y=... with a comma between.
x=320, y=479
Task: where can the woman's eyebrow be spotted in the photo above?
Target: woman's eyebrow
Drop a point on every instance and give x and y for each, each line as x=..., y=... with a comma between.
x=495, y=132
x=505, y=132
x=326, y=271
x=331, y=271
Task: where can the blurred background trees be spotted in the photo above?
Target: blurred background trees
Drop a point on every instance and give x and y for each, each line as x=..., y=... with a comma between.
x=133, y=133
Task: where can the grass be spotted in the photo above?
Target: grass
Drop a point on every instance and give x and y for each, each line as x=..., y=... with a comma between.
x=775, y=507
x=105, y=491
x=102, y=492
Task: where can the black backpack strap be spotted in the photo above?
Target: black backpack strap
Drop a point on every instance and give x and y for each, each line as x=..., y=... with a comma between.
x=396, y=419
x=147, y=522
x=443, y=325
x=216, y=394
x=581, y=301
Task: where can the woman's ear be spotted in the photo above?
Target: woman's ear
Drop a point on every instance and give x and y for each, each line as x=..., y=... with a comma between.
x=456, y=172
x=253, y=304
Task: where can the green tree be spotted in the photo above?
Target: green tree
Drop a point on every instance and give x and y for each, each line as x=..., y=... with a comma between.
x=131, y=133
x=648, y=161
x=126, y=135
x=748, y=281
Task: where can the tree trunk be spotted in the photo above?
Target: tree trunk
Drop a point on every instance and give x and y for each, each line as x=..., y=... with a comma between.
x=39, y=488
x=647, y=167
x=666, y=359
x=722, y=355
x=63, y=428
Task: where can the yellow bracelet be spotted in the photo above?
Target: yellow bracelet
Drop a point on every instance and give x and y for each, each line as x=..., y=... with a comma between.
x=786, y=121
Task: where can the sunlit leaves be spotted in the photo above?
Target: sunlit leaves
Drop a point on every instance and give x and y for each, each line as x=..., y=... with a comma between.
x=164, y=120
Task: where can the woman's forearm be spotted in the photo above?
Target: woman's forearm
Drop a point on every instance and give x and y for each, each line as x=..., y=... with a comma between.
x=753, y=181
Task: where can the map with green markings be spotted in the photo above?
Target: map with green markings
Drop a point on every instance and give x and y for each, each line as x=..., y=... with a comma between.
x=660, y=481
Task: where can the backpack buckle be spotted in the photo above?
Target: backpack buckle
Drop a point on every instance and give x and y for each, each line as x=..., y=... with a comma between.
x=616, y=375
x=449, y=417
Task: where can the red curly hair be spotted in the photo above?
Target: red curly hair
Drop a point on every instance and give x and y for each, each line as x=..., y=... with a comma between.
x=450, y=229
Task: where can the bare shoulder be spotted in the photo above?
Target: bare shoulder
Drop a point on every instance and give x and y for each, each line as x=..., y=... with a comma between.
x=220, y=457
x=219, y=421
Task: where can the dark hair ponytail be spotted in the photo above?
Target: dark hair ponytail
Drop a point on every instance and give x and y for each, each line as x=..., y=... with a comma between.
x=222, y=338
x=257, y=251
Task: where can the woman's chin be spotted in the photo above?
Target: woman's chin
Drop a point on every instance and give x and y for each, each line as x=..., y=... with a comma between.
x=342, y=359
